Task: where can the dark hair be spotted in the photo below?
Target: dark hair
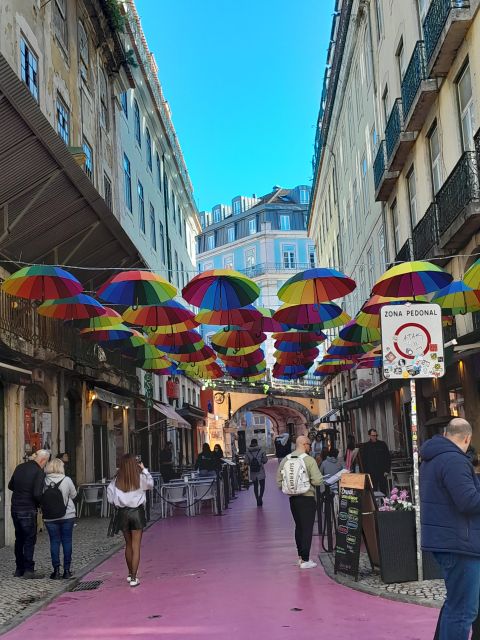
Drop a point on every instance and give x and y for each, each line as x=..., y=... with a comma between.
x=370, y=431
x=128, y=475
x=324, y=454
x=218, y=449
x=351, y=441
x=254, y=442
x=333, y=453
x=206, y=448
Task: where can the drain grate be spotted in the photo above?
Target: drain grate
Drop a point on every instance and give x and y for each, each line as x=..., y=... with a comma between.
x=87, y=586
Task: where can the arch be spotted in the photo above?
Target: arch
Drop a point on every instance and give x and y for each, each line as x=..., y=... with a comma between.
x=284, y=414
x=36, y=397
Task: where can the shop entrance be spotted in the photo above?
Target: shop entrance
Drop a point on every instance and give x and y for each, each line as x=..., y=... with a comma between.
x=100, y=441
x=72, y=412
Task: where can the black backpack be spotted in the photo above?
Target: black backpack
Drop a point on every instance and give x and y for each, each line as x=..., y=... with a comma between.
x=255, y=465
x=53, y=506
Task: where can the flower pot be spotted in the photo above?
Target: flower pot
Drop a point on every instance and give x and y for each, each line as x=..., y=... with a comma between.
x=397, y=545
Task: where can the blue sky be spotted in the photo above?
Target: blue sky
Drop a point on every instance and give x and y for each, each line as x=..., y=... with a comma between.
x=243, y=79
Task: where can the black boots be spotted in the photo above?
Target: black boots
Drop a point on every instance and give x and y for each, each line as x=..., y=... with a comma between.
x=67, y=573
x=56, y=574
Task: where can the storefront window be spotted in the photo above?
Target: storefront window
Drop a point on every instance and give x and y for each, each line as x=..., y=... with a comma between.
x=456, y=402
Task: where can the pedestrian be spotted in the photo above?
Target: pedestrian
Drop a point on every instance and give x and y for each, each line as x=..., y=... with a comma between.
x=317, y=445
x=283, y=445
x=350, y=461
x=218, y=451
x=256, y=458
x=297, y=476
x=330, y=467
x=27, y=484
x=207, y=463
x=376, y=461
x=166, y=462
x=450, y=518
x=127, y=492
x=59, y=516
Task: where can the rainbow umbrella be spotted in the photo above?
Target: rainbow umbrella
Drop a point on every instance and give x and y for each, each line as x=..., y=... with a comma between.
x=330, y=367
x=341, y=347
x=265, y=323
x=293, y=347
x=233, y=351
x=236, y=339
x=286, y=377
x=242, y=316
x=106, y=334
x=293, y=371
x=457, y=297
x=368, y=320
x=415, y=278
x=167, y=371
x=169, y=342
x=299, y=336
x=167, y=314
x=77, y=307
x=472, y=275
x=316, y=285
x=370, y=363
x=135, y=288
x=110, y=318
x=210, y=371
x=220, y=289
x=295, y=358
x=244, y=361
x=185, y=349
x=256, y=378
x=172, y=329
x=155, y=364
x=42, y=282
x=147, y=351
x=376, y=302
x=247, y=371
x=354, y=332
x=307, y=314
x=206, y=353
x=339, y=321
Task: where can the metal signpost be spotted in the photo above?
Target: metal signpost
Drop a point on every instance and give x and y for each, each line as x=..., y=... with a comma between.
x=412, y=347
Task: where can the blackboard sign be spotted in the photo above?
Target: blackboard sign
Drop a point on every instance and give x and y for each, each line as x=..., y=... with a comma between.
x=349, y=530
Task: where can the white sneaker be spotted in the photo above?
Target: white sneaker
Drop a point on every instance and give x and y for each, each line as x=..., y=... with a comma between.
x=309, y=564
x=129, y=578
x=299, y=561
x=134, y=582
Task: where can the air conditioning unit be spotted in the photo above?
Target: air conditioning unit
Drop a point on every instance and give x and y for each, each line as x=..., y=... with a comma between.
x=38, y=375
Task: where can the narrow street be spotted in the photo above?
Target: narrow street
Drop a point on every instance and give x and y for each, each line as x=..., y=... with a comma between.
x=232, y=576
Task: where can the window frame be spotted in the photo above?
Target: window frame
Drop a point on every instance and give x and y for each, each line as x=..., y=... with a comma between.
x=412, y=197
x=287, y=261
x=153, y=228
x=141, y=207
x=127, y=182
x=148, y=149
x=285, y=218
x=468, y=110
x=88, y=157
x=252, y=230
x=231, y=228
x=436, y=167
x=137, y=123
x=29, y=72
x=61, y=104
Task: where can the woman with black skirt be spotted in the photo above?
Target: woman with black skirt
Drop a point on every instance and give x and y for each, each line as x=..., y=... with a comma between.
x=127, y=493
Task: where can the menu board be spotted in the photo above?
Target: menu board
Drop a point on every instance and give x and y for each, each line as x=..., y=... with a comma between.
x=349, y=527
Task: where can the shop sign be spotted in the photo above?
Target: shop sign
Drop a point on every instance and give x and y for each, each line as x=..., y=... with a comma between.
x=173, y=389
x=148, y=388
x=27, y=425
x=412, y=341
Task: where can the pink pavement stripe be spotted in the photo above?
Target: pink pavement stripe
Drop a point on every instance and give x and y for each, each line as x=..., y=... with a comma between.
x=225, y=577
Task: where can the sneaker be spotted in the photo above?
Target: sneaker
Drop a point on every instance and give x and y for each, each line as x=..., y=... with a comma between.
x=18, y=573
x=299, y=561
x=309, y=564
x=31, y=575
x=134, y=582
x=129, y=578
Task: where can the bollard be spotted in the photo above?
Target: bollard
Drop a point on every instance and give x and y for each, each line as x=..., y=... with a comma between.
x=219, y=497
x=329, y=515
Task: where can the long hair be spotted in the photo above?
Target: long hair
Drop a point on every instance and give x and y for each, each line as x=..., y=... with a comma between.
x=206, y=449
x=128, y=476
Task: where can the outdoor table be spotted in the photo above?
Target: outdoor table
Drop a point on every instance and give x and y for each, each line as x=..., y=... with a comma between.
x=190, y=497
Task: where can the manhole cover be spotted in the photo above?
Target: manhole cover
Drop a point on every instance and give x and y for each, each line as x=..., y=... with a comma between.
x=87, y=586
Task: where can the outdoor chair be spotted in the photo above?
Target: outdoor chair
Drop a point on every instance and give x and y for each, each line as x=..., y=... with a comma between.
x=173, y=495
x=90, y=495
x=204, y=492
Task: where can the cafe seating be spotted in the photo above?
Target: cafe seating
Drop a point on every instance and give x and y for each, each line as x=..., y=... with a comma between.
x=173, y=494
x=203, y=492
x=91, y=495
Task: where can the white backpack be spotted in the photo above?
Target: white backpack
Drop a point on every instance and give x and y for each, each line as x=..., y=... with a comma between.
x=295, y=479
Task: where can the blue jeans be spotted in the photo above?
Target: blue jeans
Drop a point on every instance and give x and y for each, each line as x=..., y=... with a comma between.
x=61, y=532
x=462, y=580
x=25, y=523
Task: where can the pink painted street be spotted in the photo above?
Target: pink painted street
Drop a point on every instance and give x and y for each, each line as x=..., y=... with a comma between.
x=231, y=576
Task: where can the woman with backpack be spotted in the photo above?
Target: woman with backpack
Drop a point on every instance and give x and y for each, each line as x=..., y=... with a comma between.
x=256, y=458
x=58, y=512
x=127, y=492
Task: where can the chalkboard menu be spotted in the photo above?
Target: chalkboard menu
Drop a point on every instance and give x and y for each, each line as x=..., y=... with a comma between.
x=349, y=527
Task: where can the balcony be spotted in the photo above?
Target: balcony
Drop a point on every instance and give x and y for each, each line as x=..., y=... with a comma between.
x=398, y=142
x=273, y=267
x=459, y=203
x=444, y=29
x=426, y=236
x=418, y=91
x=404, y=254
x=450, y=332
x=476, y=320
x=384, y=180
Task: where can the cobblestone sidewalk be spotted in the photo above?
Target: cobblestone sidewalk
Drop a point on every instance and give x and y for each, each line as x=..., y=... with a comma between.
x=429, y=593
x=19, y=598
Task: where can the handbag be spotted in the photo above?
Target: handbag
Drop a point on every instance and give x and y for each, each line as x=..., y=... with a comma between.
x=113, y=523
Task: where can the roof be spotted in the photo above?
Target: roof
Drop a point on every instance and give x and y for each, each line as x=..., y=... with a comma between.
x=52, y=212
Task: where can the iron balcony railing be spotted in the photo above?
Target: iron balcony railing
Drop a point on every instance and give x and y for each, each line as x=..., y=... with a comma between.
x=379, y=164
x=477, y=146
x=405, y=254
x=450, y=332
x=436, y=19
x=460, y=188
x=394, y=128
x=426, y=234
x=476, y=320
x=271, y=267
x=415, y=74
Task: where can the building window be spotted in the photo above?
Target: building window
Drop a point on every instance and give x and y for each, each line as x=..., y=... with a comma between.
x=381, y=250
x=371, y=269
x=148, y=142
x=289, y=256
x=312, y=259
x=395, y=226
x=162, y=241
x=228, y=262
x=385, y=105
x=401, y=60
x=29, y=68
x=412, y=196
x=87, y=150
x=185, y=231
x=179, y=218
x=379, y=12
x=177, y=272
x=456, y=402
x=60, y=22
x=211, y=242
x=216, y=215
x=466, y=108
x=250, y=260
x=127, y=182
x=153, y=228
x=423, y=7
x=141, y=206
x=107, y=191
x=165, y=187
x=104, y=120
x=366, y=199
x=304, y=196
x=237, y=207
x=174, y=207
x=63, y=120
x=124, y=103
x=137, y=126
x=284, y=223
x=435, y=158
x=159, y=171
x=231, y=234
x=84, y=57
x=252, y=226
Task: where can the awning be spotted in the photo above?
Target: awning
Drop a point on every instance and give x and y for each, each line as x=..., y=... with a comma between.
x=51, y=211
x=331, y=416
x=169, y=412
x=112, y=398
x=353, y=403
x=15, y=375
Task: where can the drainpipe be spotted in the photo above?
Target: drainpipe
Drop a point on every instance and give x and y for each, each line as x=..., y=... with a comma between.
x=168, y=252
x=61, y=412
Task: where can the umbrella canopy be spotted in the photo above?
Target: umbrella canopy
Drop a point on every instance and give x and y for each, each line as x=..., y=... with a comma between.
x=308, y=314
x=206, y=353
x=245, y=315
x=295, y=358
x=105, y=334
x=368, y=320
x=167, y=314
x=339, y=321
x=457, y=297
x=236, y=339
x=134, y=288
x=147, y=351
x=300, y=336
x=293, y=347
x=370, y=362
x=341, y=347
x=167, y=341
x=42, y=282
x=233, y=351
x=172, y=329
x=247, y=371
x=316, y=285
x=77, y=307
x=256, y=378
x=294, y=371
x=412, y=279
x=472, y=276
x=354, y=332
x=376, y=302
x=210, y=371
x=330, y=367
x=244, y=361
x=220, y=289
x=155, y=364
x=265, y=323
x=110, y=318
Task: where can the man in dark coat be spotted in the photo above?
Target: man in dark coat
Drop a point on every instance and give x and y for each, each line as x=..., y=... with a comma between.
x=376, y=461
x=450, y=515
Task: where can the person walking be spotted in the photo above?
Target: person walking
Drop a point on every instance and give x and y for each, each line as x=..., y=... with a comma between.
x=59, y=516
x=256, y=458
x=297, y=476
x=27, y=484
x=283, y=445
x=218, y=451
x=376, y=461
x=127, y=492
x=450, y=520
x=317, y=445
x=166, y=462
x=350, y=461
x=208, y=464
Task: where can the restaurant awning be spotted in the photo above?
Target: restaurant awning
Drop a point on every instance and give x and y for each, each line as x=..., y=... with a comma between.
x=353, y=403
x=51, y=211
x=331, y=416
x=112, y=398
x=174, y=418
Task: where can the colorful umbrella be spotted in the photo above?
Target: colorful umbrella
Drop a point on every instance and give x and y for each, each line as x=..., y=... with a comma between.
x=376, y=302
x=457, y=297
x=308, y=314
x=293, y=347
x=339, y=321
x=210, y=371
x=295, y=358
x=248, y=371
x=168, y=342
x=341, y=347
x=370, y=363
x=147, y=351
x=155, y=364
x=236, y=339
x=316, y=285
x=206, y=353
x=167, y=314
x=299, y=336
x=240, y=317
x=232, y=351
x=265, y=323
x=293, y=371
x=42, y=282
x=412, y=279
x=134, y=288
x=220, y=289
x=77, y=307
x=185, y=349
x=257, y=377
x=172, y=329
x=244, y=361
x=368, y=320
x=330, y=367
x=354, y=332
x=105, y=334
x=472, y=276
x=110, y=318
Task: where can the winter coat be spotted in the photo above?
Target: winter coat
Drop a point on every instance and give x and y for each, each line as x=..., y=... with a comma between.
x=330, y=467
x=449, y=499
x=259, y=454
x=375, y=458
x=68, y=492
x=27, y=486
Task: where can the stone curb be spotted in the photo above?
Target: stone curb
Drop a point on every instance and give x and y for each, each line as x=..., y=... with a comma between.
x=358, y=586
x=68, y=586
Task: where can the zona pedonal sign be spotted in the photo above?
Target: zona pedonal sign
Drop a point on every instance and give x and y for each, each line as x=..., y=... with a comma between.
x=412, y=341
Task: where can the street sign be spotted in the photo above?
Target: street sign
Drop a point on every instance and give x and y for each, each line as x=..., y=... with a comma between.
x=412, y=341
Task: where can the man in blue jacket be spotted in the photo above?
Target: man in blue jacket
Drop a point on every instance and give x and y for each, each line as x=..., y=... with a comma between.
x=450, y=514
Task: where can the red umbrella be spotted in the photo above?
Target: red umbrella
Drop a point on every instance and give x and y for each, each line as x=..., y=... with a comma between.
x=245, y=360
x=299, y=336
x=206, y=353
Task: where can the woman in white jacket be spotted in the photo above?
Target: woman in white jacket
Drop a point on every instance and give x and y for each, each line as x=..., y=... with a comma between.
x=60, y=530
x=127, y=493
